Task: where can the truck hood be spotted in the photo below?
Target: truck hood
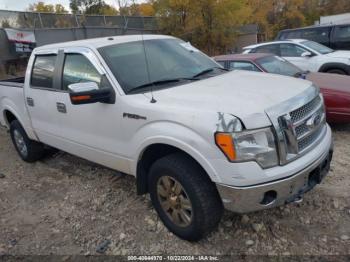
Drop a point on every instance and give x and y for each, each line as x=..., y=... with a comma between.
x=339, y=54
x=241, y=93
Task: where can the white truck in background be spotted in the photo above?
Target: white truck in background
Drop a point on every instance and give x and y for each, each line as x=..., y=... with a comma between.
x=196, y=137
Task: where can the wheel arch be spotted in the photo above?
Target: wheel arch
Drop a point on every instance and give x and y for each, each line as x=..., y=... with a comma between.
x=154, y=151
x=12, y=111
x=9, y=116
x=328, y=66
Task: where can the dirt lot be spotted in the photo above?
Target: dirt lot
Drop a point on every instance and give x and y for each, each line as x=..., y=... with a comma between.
x=65, y=205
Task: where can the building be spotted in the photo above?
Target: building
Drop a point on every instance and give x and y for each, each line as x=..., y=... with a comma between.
x=335, y=19
x=248, y=35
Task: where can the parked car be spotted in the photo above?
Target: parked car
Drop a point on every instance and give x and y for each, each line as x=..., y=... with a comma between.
x=196, y=137
x=334, y=36
x=307, y=55
x=335, y=88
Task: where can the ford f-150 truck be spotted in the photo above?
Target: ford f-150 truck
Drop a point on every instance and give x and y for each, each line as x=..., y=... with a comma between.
x=196, y=137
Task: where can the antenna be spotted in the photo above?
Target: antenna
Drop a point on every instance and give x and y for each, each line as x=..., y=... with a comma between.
x=146, y=60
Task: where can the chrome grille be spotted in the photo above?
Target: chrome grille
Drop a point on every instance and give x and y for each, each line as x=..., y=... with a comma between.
x=305, y=110
x=309, y=140
x=302, y=128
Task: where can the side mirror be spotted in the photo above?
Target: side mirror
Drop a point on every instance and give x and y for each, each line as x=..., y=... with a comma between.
x=89, y=93
x=306, y=54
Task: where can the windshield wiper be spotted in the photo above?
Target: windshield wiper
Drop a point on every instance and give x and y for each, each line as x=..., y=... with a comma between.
x=161, y=82
x=208, y=70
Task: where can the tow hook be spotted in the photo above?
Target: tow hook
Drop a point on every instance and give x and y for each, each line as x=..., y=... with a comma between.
x=295, y=199
x=298, y=200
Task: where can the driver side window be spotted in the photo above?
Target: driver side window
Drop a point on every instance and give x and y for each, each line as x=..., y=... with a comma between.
x=291, y=50
x=78, y=69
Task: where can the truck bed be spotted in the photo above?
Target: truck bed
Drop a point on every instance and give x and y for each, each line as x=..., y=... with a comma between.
x=12, y=96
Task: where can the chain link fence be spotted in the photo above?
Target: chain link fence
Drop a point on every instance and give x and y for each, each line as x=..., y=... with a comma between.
x=49, y=28
x=32, y=20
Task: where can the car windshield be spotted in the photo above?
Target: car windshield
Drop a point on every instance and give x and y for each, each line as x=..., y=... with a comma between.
x=317, y=47
x=278, y=65
x=169, y=62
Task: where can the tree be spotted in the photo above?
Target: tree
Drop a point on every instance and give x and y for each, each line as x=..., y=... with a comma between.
x=175, y=16
x=92, y=7
x=59, y=9
x=123, y=6
x=146, y=9
x=274, y=15
x=5, y=23
x=44, y=8
x=208, y=24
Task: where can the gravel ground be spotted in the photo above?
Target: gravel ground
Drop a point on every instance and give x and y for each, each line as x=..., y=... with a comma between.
x=65, y=205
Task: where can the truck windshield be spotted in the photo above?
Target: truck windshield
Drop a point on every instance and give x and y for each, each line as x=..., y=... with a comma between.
x=167, y=59
x=317, y=47
x=277, y=65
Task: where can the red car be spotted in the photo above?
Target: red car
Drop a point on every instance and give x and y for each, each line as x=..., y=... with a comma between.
x=335, y=88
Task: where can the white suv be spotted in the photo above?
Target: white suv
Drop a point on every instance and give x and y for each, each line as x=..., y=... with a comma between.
x=307, y=55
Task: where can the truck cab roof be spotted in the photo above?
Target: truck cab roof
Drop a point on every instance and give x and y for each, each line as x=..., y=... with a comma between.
x=95, y=43
x=297, y=41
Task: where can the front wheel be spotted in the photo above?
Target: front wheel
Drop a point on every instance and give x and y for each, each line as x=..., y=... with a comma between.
x=184, y=197
x=28, y=150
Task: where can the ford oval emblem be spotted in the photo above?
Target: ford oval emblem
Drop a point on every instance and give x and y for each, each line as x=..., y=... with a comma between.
x=314, y=121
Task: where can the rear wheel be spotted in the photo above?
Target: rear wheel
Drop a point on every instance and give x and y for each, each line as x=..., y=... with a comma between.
x=28, y=150
x=337, y=71
x=184, y=197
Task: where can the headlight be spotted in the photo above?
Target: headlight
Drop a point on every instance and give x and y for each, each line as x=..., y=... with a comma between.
x=256, y=145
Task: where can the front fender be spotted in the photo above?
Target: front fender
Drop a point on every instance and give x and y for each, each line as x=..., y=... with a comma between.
x=185, y=139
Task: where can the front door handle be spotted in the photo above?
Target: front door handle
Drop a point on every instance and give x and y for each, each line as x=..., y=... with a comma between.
x=61, y=108
x=30, y=101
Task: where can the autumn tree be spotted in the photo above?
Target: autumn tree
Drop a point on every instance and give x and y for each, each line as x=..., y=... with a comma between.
x=146, y=9
x=175, y=16
x=209, y=24
x=47, y=8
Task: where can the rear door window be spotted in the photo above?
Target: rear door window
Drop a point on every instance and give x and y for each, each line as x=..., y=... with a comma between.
x=342, y=32
x=43, y=71
x=291, y=50
x=320, y=34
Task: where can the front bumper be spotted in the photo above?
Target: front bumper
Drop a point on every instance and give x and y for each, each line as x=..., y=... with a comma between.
x=272, y=194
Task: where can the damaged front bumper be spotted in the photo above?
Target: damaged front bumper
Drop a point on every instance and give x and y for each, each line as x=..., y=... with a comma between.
x=272, y=194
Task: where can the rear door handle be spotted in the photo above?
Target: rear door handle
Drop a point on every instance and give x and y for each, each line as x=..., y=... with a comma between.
x=61, y=108
x=30, y=101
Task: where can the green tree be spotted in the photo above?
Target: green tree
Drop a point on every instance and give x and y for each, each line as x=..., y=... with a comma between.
x=92, y=7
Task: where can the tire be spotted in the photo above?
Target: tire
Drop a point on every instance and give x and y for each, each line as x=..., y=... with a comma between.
x=336, y=71
x=29, y=150
x=198, y=192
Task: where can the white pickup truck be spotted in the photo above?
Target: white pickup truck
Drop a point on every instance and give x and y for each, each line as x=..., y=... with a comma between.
x=196, y=137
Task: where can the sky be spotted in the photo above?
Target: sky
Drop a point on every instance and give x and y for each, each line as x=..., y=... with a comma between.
x=22, y=5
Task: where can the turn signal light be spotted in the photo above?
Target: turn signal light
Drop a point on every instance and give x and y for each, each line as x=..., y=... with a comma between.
x=80, y=98
x=225, y=142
